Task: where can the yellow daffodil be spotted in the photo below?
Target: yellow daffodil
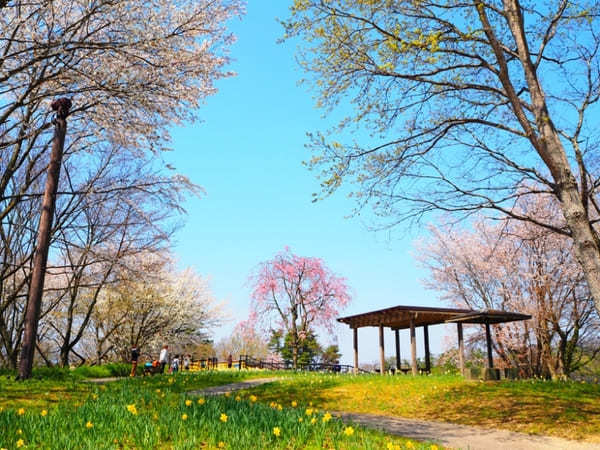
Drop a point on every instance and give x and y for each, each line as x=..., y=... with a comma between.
x=237, y=398
x=171, y=380
x=188, y=403
x=434, y=447
x=89, y=425
x=279, y=407
x=313, y=420
x=309, y=411
x=253, y=398
x=201, y=401
x=158, y=391
x=221, y=444
x=227, y=394
x=44, y=413
x=348, y=431
x=300, y=419
x=20, y=443
x=276, y=431
x=327, y=417
x=21, y=411
x=223, y=417
x=294, y=404
x=95, y=396
x=184, y=417
x=132, y=409
x=155, y=416
x=19, y=431
x=409, y=444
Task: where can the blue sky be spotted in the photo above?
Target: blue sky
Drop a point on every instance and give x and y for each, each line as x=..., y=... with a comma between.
x=247, y=154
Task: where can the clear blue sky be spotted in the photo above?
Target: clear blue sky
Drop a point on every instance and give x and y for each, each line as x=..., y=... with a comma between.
x=247, y=155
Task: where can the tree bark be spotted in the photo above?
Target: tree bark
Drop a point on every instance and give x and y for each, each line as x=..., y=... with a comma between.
x=34, y=300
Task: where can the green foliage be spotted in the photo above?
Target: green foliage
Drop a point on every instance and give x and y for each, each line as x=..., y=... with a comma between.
x=331, y=355
x=107, y=370
x=309, y=349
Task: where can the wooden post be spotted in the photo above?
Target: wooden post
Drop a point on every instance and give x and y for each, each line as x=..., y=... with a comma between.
x=355, y=330
x=398, y=361
x=488, y=339
x=40, y=257
x=413, y=347
x=381, y=351
x=427, y=354
x=461, y=348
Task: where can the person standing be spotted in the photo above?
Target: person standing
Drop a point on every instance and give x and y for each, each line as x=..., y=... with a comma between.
x=187, y=359
x=135, y=354
x=175, y=364
x=163, y=359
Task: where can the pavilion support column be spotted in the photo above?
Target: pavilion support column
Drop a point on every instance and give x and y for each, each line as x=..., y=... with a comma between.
x=381, y=351
x=355, y=332
x=413, y=347
x=427, y=354
x=461, y=348
x=488, y=340
x=398, y=363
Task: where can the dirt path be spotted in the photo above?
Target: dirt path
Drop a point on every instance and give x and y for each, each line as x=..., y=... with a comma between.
x=219, y=390
x=103, y=380
x=463, y=436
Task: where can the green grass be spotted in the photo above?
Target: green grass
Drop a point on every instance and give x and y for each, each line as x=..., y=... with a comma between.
x=54, y=414
x=565, y=409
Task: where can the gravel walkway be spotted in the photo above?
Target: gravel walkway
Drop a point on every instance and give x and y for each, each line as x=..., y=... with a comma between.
x=463, y=436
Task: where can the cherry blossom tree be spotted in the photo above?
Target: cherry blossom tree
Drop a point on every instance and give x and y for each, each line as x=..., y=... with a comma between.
x=300, y=293
x=513, y=265
x=133, y=69
x=153, y=304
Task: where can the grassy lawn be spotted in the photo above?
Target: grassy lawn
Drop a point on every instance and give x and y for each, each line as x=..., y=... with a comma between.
x=155, y=412
x=566, y=409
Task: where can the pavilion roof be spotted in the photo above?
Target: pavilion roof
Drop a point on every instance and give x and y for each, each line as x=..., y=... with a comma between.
x=398, y=317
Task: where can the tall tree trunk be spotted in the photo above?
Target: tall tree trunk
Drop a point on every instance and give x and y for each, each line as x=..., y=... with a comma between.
x=546, y=141
x=34, y=299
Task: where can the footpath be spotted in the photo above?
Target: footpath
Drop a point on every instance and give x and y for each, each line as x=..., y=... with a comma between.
x=447, y=434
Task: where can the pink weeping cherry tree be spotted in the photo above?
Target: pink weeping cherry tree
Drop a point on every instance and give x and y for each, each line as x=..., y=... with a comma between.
x=300, y=293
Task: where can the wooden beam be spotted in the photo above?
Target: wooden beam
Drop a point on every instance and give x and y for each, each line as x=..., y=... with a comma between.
x=413, y=347
x=381, y=351
x=461, y=348
x=488, y=340
x=398, y=361
x=427, y=354
x=355, y=332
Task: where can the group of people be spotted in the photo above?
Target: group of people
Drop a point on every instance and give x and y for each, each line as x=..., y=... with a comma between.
x=164, y=361
x=175, y=363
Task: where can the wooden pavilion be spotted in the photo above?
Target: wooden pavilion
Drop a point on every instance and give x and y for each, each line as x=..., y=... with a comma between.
x=402, y=317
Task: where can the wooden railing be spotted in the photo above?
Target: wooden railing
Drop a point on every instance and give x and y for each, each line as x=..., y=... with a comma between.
x=248, y=362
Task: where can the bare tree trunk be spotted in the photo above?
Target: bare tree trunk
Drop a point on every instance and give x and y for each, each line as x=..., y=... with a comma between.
x=34, y=300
